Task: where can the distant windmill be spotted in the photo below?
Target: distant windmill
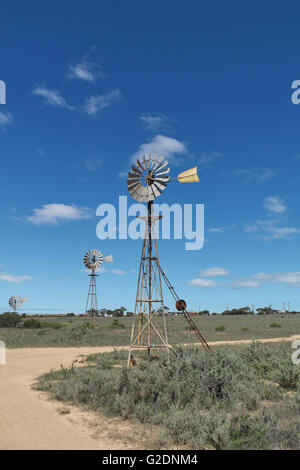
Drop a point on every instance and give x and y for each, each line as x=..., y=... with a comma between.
x=93, y=260
x=15, y=302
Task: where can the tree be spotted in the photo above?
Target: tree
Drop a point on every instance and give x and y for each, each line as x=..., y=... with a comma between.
x=118, y=312
x=204, y=312
x=266, y=311
x=93, y=312
x=9, y=320
x=238, y=311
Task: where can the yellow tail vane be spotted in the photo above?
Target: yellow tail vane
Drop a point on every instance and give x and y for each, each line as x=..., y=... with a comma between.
x=189, y=176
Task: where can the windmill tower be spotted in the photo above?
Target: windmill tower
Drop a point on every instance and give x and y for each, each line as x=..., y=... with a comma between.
x=147, y=180
x=15, y=302
x=93, y=260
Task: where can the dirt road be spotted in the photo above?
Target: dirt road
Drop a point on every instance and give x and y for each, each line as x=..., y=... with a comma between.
x=28, y=420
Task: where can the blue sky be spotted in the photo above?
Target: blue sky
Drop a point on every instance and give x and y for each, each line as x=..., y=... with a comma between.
x=89, y=85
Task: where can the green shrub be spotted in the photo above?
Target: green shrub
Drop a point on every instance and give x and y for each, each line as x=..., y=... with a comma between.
x=220, y=328
x=200, y=400
x=116, y=324
x=32, y=323
x=275, y=325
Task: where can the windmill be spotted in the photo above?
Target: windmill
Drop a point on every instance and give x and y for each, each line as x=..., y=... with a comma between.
x=93, y=260
x=15, y=301
x=147, y=180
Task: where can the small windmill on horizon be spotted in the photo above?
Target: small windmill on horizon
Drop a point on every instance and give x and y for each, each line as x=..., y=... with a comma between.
x=92, y=261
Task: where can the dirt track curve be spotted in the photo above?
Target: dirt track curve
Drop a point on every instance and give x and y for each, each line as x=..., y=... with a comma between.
x=28, y=420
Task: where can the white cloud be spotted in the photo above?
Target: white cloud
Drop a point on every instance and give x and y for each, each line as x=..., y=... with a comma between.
x=220, y=229
x=123, y=174
x=154, y=123
x=210, y=272
x=274, y=204
x=87, y=71
x=206, y=159
x=169, y=147
x=284, y=232
x=244, y=283
x=5, y=119
x=238, y=283
x=203, y=282
x=12, y=278
x=270, y=229
x=256, y=174
x=52, y=97
x=41, y=153
x=253, y=282
x=118, y=271
x=52, y=214
x=92, y=163
x=290, y=278
x=97, y=103
x=216, y=229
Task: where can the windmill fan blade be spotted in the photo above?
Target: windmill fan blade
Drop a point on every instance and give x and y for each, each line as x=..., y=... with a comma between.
x=140, y=194
x=163, y=179
x=163, y=172
x=139, y=164
x=161, y=166
x=133, y=176
x=154, y=158
x=157, y=192
x=144, y=162
x=160, y=186
x=136, y=170
x=151, y=195
x=157, y=163
x=133, y=184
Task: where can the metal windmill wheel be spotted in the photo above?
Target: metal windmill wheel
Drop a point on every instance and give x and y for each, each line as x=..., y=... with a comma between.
x=93, y=259
x=15, y=301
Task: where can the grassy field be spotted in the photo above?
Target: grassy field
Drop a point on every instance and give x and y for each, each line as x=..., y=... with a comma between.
x=242, y=397
x=77, y=331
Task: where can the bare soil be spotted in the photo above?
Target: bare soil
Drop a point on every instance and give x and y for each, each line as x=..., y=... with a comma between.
x=30, y=421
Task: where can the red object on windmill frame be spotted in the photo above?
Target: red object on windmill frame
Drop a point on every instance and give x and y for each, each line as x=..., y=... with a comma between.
x=181, y=305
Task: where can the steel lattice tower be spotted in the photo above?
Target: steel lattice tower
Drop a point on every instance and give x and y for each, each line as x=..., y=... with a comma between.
x=91, y=303
x=147, y=330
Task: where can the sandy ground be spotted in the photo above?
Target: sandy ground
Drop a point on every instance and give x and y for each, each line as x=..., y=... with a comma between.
x=28, y=420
